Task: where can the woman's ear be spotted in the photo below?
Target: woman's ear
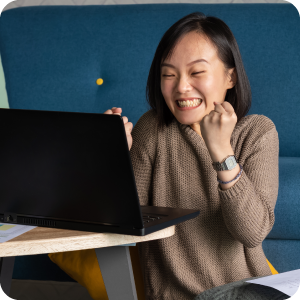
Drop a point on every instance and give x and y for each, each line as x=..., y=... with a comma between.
x=232, y=78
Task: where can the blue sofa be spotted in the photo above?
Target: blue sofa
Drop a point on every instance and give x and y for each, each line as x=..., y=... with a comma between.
x=53, y=55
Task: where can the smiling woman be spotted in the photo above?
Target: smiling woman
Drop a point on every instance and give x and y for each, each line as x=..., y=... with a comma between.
x=190, y=88
x=200, y=94
x=197, y=58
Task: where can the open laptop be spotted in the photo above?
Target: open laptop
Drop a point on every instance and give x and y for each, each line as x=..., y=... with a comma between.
x=73, y=171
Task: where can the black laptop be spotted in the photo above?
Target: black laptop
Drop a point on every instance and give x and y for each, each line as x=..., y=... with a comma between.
x=73, y=171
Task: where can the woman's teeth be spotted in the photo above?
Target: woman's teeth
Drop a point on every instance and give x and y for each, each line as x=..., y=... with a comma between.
x=189, y=103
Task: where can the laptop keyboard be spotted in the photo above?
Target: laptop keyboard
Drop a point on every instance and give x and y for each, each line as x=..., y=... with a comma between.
x=150, y=218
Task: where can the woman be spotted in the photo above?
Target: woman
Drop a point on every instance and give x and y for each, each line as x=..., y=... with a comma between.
x=199, y=94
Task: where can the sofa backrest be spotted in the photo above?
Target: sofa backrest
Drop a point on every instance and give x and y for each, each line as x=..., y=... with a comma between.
x=53, y=55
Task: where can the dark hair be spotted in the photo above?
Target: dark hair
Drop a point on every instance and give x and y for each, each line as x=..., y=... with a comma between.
x=228, y=52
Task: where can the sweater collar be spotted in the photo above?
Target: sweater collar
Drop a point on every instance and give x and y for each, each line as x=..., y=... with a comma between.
x=192, y=135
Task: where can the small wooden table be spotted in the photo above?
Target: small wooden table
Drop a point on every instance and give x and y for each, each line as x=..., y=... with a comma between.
x=114, y=262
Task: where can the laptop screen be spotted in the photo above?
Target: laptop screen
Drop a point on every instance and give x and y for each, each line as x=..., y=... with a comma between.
x=68, y=166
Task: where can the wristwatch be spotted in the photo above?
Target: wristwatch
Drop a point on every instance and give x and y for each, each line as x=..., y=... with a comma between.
x=228, y=163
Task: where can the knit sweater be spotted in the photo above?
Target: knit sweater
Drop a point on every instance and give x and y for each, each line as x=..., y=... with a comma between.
x=173, y=168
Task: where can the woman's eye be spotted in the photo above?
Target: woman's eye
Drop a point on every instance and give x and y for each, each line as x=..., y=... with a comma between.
x=173, y=75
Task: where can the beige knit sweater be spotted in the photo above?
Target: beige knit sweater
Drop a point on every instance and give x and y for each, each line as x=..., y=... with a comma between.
x=223, y=244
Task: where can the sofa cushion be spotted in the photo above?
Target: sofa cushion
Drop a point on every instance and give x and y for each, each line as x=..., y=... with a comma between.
x=287, y=209
x=38, y=267
x=82, y=266
x=53, y=55
x=284, y=255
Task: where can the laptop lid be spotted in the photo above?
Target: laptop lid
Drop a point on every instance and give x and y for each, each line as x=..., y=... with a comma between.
x=67, y=166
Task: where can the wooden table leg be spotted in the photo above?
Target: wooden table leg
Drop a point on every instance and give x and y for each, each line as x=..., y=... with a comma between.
x=6, y=272
x=116, y=270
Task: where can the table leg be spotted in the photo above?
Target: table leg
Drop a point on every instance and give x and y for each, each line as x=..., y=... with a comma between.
x=6, y=269
x=116, y=270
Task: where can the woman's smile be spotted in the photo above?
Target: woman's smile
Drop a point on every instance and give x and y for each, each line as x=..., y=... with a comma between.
x=187, y=108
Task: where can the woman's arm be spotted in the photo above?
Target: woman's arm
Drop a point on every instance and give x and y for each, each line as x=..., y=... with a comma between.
x=248, y=205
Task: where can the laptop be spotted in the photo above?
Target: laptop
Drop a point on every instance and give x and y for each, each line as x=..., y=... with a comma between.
x=73, y=170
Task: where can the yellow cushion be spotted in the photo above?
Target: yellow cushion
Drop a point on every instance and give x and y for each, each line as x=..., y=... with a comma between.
x=83, y=267
x=274, y=272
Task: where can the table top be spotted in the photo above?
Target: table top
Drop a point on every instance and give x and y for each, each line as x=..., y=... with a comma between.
x=41, y=240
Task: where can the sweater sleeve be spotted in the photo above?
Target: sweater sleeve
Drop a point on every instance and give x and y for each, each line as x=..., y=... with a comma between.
x=142, y=153
x=248, y=206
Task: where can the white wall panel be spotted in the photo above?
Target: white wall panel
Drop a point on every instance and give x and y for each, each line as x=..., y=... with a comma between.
x=20, y=3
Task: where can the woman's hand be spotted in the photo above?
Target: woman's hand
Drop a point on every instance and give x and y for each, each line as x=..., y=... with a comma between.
x=128, y=125
x=217, y=127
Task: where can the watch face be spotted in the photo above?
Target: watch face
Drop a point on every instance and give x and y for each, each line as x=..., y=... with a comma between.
x=230, y=162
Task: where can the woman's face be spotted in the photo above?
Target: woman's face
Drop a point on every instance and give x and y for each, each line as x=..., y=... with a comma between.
x=183, y=77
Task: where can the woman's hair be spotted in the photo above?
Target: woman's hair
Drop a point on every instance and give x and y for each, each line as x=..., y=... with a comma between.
x=228, y=52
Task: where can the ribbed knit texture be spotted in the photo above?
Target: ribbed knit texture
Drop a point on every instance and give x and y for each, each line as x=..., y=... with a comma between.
x=173, y=168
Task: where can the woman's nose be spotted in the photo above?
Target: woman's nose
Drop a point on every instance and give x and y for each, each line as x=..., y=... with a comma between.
x=183, y=85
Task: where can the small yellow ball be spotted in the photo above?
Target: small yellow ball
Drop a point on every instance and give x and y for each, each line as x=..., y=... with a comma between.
x=99, y=81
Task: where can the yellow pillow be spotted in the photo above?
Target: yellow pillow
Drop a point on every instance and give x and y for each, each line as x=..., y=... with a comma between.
x=83, y=267
x=274, y=272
